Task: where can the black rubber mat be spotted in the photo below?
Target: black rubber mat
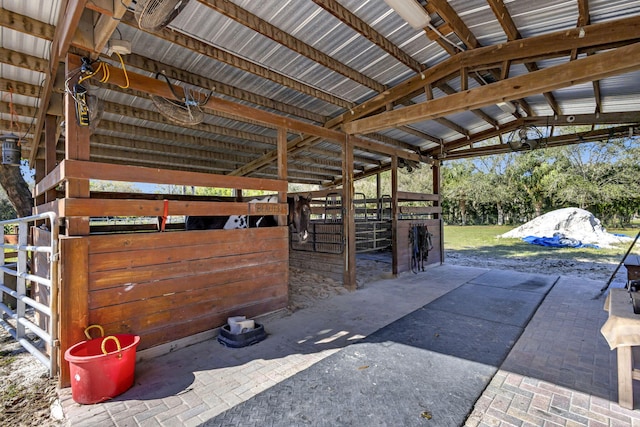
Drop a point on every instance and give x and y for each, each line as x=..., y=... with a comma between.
x=427, y=368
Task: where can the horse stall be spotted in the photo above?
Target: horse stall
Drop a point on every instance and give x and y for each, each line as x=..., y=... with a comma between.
x=324, y=252
x=167, y=286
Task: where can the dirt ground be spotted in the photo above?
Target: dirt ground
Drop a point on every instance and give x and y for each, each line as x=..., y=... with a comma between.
x=28, y=395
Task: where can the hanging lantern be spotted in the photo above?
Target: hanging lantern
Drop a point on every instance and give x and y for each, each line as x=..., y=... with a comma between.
x=10, y=150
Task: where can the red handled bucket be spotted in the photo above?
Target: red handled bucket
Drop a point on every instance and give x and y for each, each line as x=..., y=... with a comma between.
x=101, y=368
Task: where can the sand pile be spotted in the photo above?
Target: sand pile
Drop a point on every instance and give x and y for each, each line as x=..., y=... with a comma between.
x=573, y=223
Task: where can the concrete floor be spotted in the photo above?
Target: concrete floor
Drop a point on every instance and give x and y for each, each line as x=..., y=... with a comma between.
x=559, y=372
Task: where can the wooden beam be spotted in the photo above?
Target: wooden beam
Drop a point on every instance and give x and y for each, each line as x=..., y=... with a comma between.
x=263, y=27
x=447, y=13
x=557, y=44
x=149, y=65
x=66, y=27
x=596, y=67
x=361, y=27
x=107, y=24
x=76, y=148
x=349, y=222
x=195, y=45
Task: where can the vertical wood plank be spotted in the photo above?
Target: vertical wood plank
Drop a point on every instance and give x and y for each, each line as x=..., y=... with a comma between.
x=625, y=378
x=282, y=168
x=73, y=298
x=50, y=143
x=349, y=221
x=76, y=148
x=435, y=170
x=394, y=214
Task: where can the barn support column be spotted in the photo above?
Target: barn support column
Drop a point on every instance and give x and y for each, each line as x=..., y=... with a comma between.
x=76, y=148
x=349, y=276
x=73, y=273
x=435, y=170
x=282, y=168
x=73, y=307
x=394, y=214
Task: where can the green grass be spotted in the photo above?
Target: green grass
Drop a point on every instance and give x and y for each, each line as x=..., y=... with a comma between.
x=482, y=240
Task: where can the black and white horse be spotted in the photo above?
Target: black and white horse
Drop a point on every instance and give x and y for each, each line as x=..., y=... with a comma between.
x=297, y=220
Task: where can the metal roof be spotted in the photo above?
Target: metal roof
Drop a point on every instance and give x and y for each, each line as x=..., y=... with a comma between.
x=324, y=62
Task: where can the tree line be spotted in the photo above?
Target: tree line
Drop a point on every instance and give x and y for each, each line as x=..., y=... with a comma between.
x=601, y=177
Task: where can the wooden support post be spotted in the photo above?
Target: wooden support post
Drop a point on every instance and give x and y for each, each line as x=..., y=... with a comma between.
x=282, y=168
x=50, y=144
x=348, y=216
x=435, y=170
x=394, y=214
x=625, y=376
x=73, y=298
x=76, y=148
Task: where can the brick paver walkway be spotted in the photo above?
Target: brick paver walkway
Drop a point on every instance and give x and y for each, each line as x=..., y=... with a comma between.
x=560, y=372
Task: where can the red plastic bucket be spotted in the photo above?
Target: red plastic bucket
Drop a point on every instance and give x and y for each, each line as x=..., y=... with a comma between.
x=102, y=368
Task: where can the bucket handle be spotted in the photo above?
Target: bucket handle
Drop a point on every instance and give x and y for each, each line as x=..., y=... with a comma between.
x=113, y=338
x=86, y=331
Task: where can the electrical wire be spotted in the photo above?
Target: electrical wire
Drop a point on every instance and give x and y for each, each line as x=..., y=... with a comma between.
x=435, y=30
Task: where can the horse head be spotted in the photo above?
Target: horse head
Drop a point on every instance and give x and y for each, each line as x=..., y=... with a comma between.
x=300, y=216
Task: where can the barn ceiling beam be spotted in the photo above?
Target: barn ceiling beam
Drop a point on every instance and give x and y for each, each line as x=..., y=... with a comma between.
x=157, y=87
x=509, y=27
x=124, y=110
x=555, y=44
x=449, y=15
x=107, y=22
x=154, y=116
x=628, y=118
x=259, y=25
x=551, y=142
x=361, y=27
x=595, y=67
x=478, y=112
x=27, y=25
x=127, y=145
x=149, y=65
x=173, y=138
x=195, y=45
x=68, y=22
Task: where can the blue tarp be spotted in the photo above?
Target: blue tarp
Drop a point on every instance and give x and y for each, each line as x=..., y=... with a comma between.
x=558, y=241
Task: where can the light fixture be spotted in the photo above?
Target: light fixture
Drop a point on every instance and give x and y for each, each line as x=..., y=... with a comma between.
x=410, y=11
x=10, y=149
x=507, y=106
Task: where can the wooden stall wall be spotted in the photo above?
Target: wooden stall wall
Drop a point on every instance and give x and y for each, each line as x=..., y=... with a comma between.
x=403, y=245
x=167, y=286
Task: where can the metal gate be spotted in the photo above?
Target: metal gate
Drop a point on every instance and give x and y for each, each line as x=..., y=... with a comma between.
x=29, y=286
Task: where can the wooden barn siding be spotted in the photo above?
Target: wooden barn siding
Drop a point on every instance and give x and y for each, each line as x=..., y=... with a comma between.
x=166, y=286
x=402, y=243
x=322, y=264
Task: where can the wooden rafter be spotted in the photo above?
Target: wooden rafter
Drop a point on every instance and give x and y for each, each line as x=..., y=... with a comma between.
x=68, y=22
x=554, y=141
x=361, y=27
x=147, y=64
x=549, y=45
x=195, y=45
x=157, y=87
x=504, y=17
x=599, y=66
x=263, y=27
x=446, y=12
